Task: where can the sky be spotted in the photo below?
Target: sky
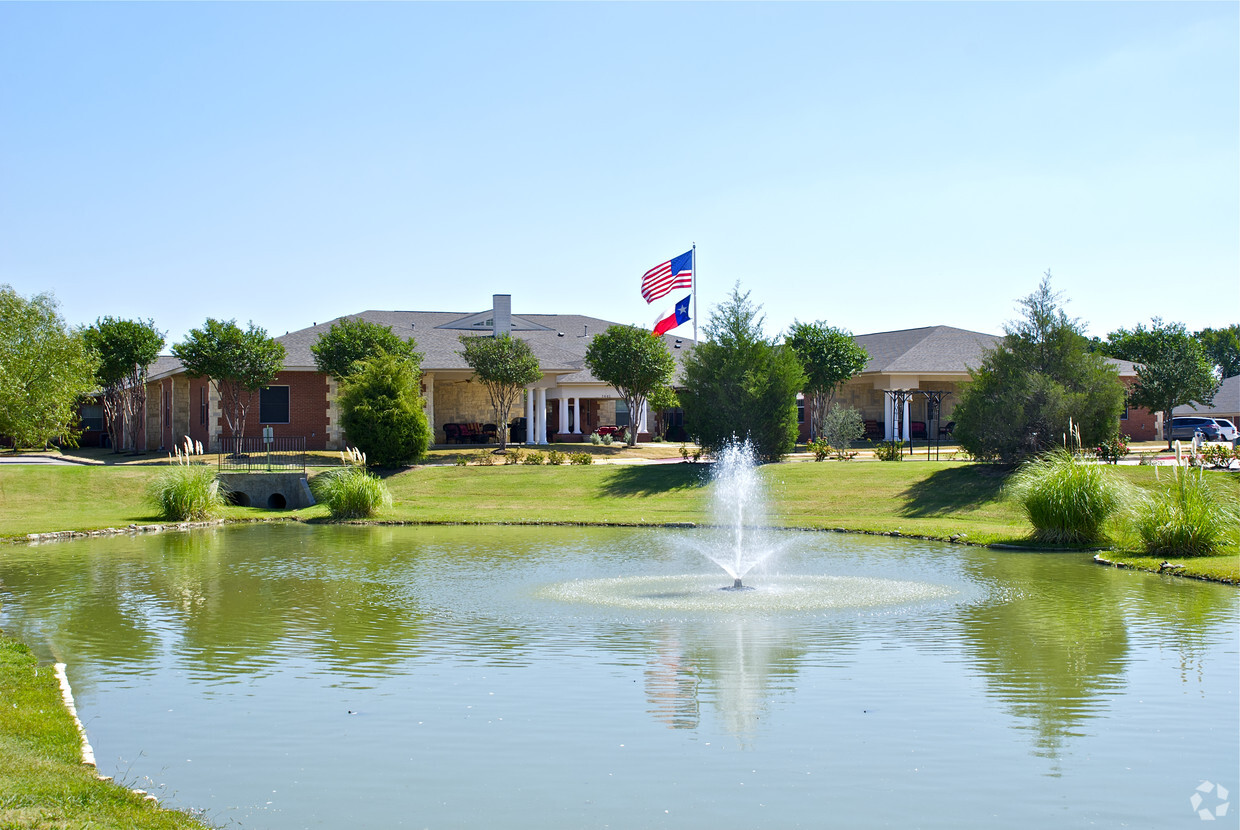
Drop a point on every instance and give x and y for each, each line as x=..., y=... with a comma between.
x=877, y=166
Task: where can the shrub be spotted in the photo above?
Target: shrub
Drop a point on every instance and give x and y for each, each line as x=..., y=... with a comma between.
x=350, y=492
x=534, y=459
x=513, y=456
x=1217, y=455
x=595, y=438
x=461, y=460
x=185, y=493
x=1185, y=517
x=889, y=451
x=606, y=440
x=555, y=458
x=1112, y=449
x=821, y=449
x=840, y=427
x=1066, y=499
x=381, y=411
x=485, y=458
x=581, y=458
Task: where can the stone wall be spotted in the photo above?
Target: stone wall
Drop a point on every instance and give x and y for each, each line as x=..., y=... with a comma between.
x=458, y=402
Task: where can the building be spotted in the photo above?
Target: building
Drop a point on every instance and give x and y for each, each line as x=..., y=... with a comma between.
x=567, y=404
x=936, y=359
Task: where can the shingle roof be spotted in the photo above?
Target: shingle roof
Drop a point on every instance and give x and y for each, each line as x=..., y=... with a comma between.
x=1226, y=401
x=929, y=350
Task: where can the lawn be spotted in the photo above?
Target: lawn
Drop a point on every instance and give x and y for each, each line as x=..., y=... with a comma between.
x=938, y=500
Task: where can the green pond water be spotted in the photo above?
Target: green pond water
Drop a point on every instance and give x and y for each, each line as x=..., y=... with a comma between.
x=288, y=676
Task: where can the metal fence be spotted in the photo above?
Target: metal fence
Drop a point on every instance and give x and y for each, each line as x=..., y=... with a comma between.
x=247, y=454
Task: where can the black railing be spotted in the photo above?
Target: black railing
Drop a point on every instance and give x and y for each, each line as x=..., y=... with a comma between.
x=263, y=454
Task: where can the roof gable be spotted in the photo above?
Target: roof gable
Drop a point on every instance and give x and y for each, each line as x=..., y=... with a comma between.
x=929, y=350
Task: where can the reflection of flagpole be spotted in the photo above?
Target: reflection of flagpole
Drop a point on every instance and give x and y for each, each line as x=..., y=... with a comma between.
x=693, y=260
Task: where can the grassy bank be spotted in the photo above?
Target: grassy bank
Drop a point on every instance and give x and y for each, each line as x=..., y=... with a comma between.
x=43, y=783
x=933, y=499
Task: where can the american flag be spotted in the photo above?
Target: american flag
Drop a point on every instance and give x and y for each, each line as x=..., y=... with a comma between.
x=666, y=277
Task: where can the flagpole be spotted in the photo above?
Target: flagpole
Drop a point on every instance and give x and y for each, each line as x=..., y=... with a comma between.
x=695, y=279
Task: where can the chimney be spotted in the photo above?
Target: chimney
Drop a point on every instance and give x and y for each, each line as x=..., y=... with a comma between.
x=501, y=313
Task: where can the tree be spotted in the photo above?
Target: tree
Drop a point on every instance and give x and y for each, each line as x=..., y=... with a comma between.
x=1223, y=348
x=1039, y=383
x=738, y=384
x=829, y=357
x=125, y=348
x=505, y=365
x=351, y=341
x=238, y=363
x=382, y=411
x=45, y=369
x=661, y=400
x=1173, y=368
x=635, y=362
x=841, y=426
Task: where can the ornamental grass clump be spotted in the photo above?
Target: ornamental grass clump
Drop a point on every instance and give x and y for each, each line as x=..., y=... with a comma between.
x=1185, y=516
x=1067, y=500
x=187, y=492
x=351, y=491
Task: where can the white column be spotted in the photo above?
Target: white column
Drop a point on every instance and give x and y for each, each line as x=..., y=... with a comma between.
x=577, y=415
x=641, y=419
x=540, y=414
x=889, y=417
x=904, y=425
x=529, y=415
x=563, y=412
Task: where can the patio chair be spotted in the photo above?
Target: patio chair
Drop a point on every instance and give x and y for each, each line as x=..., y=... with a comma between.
x=452, y=433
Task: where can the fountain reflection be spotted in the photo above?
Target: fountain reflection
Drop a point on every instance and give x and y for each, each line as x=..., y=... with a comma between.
x=738, y=666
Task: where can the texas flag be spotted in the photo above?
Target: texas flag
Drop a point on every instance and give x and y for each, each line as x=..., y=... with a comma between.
x=673, y=317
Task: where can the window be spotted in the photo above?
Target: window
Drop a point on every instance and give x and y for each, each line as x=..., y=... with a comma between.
x=91, y=417
x=202, y=405
x=800, y=409
x=622, y=413
x=273, y=405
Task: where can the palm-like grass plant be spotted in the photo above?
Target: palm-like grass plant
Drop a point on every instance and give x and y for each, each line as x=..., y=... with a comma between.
x=351, y=492
x=185, y=493
x=1185, y=516
x=1068, y=500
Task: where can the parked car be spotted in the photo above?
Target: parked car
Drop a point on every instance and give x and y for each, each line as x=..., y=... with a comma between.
x=1183, y=429
x=1227, y=429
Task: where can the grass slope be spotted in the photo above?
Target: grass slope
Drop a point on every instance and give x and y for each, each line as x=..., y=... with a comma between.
x=43, y=783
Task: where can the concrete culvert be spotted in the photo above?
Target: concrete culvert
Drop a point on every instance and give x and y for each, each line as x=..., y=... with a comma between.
x=276, y=501
x=239, y=498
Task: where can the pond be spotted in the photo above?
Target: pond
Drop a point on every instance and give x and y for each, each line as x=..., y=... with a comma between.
x=289, y=676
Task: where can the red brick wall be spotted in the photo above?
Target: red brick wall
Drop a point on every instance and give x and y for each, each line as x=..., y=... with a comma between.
x=200, y=421
x=1139, y=425
x=307, y=405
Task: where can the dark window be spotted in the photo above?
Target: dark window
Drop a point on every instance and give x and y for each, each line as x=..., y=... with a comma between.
x=800, y=409
x=92, y=417
x=622, y=413
x=1123, y=416
x=273, y=405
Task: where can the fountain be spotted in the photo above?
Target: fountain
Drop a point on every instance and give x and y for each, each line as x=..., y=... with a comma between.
x=738, y=506
x=739, y=540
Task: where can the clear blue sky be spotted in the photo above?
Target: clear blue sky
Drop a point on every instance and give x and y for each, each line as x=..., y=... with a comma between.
x=879, y=166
